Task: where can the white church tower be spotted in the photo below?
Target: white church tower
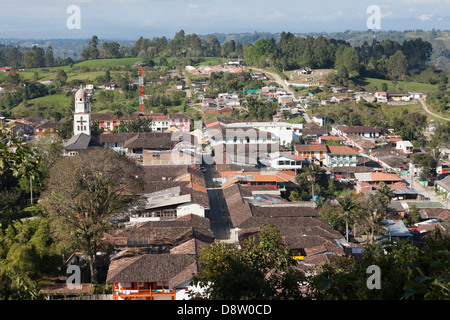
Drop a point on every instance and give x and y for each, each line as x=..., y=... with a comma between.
x=82, y=115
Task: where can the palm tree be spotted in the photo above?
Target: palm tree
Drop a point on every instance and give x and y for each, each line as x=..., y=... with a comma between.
x=385, y=194
x=312, y=171
x=372, y=213
x=348, y=208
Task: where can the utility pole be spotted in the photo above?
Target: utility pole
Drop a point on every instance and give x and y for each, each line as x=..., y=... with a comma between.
x=31, y=190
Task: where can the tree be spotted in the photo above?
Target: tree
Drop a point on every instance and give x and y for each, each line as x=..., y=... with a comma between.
x=49, y=58
x=136, y=125
x=38, y=57
x=28, y=59
x=83, y=193
x=15, y=57
x=261, y=268
x=347, y=56
x=18, y=163
x=415, y=121
x=397, y=65
x=312, y=172
x=61, y=76
x=372, y=211
x=93, y=42
x=213, y=46
x=91, y=52
x=420, y=273
x=348, y=208
x=385, y=194
x=28, y=251
x=427, y=163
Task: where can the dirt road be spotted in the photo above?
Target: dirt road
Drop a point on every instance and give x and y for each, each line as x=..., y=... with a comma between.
x=424, y=106
x=283, y=84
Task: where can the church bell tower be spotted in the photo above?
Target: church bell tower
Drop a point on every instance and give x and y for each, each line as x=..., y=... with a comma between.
x=82, y=115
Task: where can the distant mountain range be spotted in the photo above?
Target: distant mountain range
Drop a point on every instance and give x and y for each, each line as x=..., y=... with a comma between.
x=439, y=39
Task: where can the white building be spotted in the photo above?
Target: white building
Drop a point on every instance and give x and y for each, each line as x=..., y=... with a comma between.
x=341, y=156
x=320, y=119
x=82, y=115
x=166, y=204
x=405, y=146
x=285, y=132
x=286, y=161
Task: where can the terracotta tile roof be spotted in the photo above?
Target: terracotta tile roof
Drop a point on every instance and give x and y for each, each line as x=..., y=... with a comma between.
x=357, y=129
x=332, y=138
x=382, y=176
x=310, y=147
x=439, y=213
x=172, y=268
x=48, y=124
x=109, y=116
x=193, y=246
x=311, y=129
x=151, y=140
x=168, y=236
x=341, y=150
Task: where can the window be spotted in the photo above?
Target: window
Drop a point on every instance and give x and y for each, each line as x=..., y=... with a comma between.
x=169, y=213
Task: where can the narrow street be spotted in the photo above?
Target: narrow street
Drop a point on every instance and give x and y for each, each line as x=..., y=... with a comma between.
x=218, y=212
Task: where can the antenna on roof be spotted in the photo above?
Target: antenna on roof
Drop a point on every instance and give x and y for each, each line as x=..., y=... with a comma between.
x=141, y=90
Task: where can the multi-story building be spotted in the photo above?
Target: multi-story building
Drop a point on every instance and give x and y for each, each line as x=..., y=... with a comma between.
x=312, y=152
x=364, y=131
x=160, y=122
x=341, y=156
x=285, y=132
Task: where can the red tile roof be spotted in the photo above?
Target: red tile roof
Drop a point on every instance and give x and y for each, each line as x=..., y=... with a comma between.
x=382, y=176
x=341, y=150
x=310, y=147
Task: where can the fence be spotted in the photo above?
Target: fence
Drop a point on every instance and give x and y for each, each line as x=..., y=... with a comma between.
x=82, y=297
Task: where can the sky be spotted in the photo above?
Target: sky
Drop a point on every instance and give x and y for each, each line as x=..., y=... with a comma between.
x=130, y=19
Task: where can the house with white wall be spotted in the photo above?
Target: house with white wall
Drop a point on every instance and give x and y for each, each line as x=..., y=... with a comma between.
x=286, y=161
x=167, y=204
x=285, y=132
x=341, y=156
x=405, y=146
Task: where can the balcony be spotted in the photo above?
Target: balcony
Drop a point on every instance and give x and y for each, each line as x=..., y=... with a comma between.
x=149, y=294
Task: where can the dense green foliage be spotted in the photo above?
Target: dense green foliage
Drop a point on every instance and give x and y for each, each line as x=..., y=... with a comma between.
x=263, y=269
x=407, y=272
x=28, y=252
x=260, y=269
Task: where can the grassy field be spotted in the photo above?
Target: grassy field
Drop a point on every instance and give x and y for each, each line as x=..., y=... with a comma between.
x=47, y=106
x=373, y=84
x=104, y=63
x=96, y=68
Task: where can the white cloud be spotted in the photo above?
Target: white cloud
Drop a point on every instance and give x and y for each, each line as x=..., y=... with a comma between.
x=385, y=14
x=425, y=17
x=193, y=6
x=275, y=15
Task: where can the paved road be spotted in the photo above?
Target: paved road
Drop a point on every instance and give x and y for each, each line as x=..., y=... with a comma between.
x=218, y=212
x=283, y=84
x=424, y=106
x=425, y=191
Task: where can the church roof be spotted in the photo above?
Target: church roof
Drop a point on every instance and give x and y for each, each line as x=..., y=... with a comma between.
x=78, y=142
x=80, y=94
